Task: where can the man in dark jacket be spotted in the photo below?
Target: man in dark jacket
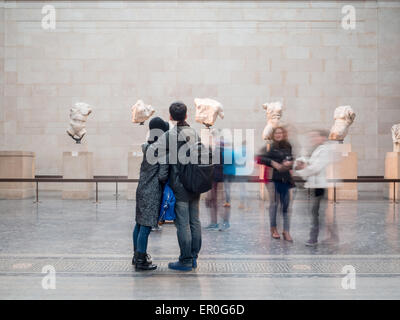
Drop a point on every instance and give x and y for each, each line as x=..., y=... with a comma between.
x=170, y=148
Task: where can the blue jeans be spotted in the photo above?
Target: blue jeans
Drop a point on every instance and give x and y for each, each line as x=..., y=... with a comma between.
x=279, y=194
x=140, y=238
x=188, y=229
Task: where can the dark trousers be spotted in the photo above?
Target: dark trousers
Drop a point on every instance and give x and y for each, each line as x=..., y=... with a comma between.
x=279, y=193
x=140, y=238
x=188, y=230
x=212, y=203
x=317, y=196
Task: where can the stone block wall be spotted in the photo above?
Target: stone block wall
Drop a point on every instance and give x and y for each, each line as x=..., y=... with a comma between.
x=2, y=134
x=111, y=53
x=388, y=95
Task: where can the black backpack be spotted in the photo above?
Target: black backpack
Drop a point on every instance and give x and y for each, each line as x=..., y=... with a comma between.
x=197, y=177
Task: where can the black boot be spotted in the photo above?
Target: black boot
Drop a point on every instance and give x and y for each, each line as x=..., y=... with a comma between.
x=143, y=262
x=134, y=258
x=135, y=255
x=148, y=259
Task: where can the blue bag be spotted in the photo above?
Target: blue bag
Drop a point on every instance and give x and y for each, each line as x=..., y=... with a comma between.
x=167, y=210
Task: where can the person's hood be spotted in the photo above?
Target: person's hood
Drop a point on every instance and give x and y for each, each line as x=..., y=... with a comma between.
x=145, y=146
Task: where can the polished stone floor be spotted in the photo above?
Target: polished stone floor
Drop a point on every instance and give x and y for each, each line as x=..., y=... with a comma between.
x=89, y=245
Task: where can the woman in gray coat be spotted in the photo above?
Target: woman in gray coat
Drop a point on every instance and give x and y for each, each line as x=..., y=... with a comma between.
x=148, y=198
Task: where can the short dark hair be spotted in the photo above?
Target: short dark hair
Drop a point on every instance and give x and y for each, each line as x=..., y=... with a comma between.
x=178, y=110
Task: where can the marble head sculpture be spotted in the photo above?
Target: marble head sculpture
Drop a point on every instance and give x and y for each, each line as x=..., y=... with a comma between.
x=274, y=114
x=344, y=117
x=78, y=116
x=207, y=111
x=396, y=137
x=141, y=112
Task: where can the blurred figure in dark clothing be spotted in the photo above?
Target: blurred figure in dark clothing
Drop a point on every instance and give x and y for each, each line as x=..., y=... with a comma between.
x=212, y=196
x=242, y=158
x=280, y=158
x=229, y=170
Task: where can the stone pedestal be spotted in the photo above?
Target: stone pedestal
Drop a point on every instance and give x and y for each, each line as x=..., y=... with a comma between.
x=77, y=165
x=135, y=158
x=17, y=164
x=344, y=168
x=392, y=171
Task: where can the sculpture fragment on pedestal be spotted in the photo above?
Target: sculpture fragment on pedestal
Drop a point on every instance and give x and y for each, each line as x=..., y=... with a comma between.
x=396, y=137
x=141, y=112
x=344, y=117
x=207, y=111
x=78, y=116
x=274, y=114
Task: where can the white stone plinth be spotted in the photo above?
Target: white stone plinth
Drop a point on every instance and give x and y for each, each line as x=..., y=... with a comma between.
x=17, y=164
x=345, y=168
x=392, y=171
x=77, y=165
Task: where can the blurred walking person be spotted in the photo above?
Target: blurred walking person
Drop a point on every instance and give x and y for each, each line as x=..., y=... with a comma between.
x=228, y=170
x=314, y=171
x=244, y=166
x=280, y=158
x=212, y=198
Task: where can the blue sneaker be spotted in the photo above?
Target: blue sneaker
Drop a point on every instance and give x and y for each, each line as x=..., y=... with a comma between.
x=225, y=226
x=179, y=266
x=212, y=227
x=157, y=228
x=194, y=264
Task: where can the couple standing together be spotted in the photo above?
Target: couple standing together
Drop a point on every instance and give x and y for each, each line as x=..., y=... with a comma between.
x=280, y=158
x=153, y=177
